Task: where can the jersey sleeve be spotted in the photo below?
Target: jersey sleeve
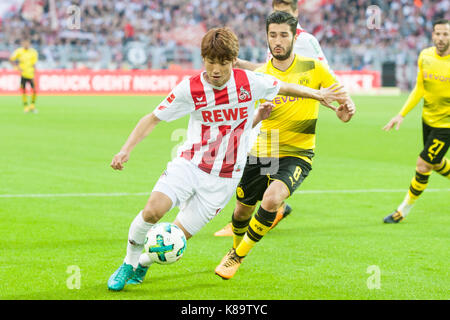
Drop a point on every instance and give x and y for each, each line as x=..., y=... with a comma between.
x=264, y=86
x=14, y=55
x=308, y=46
x=417, y=93
x=35, y=57
x=176, y=105
x=328, y=77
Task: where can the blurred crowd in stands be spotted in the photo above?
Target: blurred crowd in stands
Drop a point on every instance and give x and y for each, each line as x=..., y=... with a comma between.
x=160, y=34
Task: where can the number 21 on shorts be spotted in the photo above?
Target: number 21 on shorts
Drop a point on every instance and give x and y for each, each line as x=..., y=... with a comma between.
x=435, y=148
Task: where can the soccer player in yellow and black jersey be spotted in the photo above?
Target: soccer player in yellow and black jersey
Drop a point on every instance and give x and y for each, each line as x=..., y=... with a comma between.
x=24, y=59
x=433, y=85
x=282, y=156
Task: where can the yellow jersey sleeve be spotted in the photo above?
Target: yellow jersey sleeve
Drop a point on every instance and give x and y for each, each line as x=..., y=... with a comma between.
x=14, y=56
x=416, y=95
x=327, y=77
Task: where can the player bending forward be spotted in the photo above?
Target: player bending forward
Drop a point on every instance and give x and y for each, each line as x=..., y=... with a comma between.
x=203, y=177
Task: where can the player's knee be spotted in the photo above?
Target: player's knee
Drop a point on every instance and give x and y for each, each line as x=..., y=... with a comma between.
x=272, y=200
x=152, y=214
x=423, y=166
x=242, y=212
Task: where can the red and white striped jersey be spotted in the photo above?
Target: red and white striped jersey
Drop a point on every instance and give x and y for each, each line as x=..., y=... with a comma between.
x=221, y=118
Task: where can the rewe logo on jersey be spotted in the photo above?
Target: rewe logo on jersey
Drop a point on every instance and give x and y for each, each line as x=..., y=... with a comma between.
x=244, y=95
x=230, y=114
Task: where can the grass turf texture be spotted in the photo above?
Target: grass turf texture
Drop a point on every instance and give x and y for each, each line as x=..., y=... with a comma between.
x=321, y=251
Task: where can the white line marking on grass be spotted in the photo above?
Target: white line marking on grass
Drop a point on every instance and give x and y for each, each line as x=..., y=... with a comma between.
x=365, y=191
x=129, y=194
x=73, y=195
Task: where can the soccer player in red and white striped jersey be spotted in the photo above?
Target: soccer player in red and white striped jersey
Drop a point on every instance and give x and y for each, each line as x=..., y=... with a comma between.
x=204, y=175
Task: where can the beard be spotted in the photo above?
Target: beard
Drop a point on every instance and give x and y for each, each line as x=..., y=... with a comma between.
x=285, y=56
x=444, y=48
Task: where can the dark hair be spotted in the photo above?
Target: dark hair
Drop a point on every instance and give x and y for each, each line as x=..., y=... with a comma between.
x=440, y=21
x=221, y=44
x=292, y=3
x=280, y=17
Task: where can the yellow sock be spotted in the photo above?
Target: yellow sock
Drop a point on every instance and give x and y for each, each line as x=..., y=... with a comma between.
x=259, y=225
x=24, y=100
x=239, y=230
x=444, y=169
x=418, y=185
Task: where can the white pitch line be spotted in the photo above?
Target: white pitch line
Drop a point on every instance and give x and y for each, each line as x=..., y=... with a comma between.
x=365, y=191
x=72, y=195
x=127, y=194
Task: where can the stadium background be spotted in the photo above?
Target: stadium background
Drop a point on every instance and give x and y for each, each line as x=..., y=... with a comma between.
x=62, y=208
x=119, y=36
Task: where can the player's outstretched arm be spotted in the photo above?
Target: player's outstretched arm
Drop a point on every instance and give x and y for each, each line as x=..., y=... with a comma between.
x=395, y=121
x=142, y=129
x=325, y=95
x=346, y=109
x=262, y=113
x=244, y=64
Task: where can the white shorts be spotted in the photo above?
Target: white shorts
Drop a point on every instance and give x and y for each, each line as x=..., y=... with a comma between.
x=199, y=195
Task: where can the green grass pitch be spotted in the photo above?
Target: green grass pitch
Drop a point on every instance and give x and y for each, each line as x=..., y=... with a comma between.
x=326, y=249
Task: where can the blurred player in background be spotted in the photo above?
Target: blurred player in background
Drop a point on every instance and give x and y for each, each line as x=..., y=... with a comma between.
x=305, y=45
x=291, y=125
x=24, y=60
x=204, y=176
x=433, y=84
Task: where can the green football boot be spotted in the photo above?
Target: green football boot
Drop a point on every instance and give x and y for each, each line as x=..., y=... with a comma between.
x=119, y=278
x=139, y=275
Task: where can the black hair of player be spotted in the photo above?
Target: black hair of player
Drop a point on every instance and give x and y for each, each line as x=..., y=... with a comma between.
x=280, y=17
x=440, y=21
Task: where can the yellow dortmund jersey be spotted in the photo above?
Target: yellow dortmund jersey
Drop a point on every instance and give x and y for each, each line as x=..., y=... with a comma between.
x=433, y=84
x=290, y=129
x=27, y=60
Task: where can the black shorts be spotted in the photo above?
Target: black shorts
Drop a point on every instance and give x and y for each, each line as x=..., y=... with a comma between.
x=260, y=172
x=23, y=82
x=436, y=142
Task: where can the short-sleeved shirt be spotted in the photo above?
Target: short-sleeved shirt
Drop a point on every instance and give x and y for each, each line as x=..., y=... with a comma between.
x=290, y=129
x=27, y=59
x=221, y=118
x=434, y=77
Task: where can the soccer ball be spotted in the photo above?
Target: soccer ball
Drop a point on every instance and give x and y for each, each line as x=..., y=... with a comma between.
x=165, y=243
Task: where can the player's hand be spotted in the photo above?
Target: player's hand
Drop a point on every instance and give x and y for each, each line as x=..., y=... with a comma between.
x=330, y=94
x=119, y=159
x=265, y=109
x=346, y=111
x=395, y=121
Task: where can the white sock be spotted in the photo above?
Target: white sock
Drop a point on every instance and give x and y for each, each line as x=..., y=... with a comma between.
x=405, y=206
x=144, y=260
x=136, y=239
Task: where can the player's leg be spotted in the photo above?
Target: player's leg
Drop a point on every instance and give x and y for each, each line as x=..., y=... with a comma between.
x=257, y=226
x=23, y=89
x=33, y=96
x=145, y=262
x=174, y=186
x=157, y=205
x=291, y=173
x=443, y=168
x=442, y=137
x=262, y=221
x=436, y=143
